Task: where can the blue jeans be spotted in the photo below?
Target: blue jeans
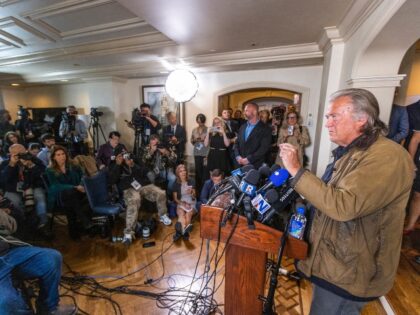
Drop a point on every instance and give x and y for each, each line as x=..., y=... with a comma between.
x=325, y=302
x=40, y=203
x=30, y=262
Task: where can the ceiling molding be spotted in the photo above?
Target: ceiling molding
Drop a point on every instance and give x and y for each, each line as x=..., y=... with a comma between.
x=302, y=54
x=280, y=53
x=376, y=81
x=104, y=28
x=12, y=21
x=63, y=7
x=358, y=13
x=4, y=3
x=329, y=37
x=144, y=41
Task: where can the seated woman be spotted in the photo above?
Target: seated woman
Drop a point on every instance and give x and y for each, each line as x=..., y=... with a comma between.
x=64, y=180
x=184, y=196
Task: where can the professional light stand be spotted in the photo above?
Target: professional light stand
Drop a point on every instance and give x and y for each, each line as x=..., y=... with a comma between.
x=94, y=129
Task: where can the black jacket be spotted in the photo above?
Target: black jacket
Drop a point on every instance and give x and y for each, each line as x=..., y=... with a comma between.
x=180, y=134
x=256, y=147
x=123, y=176
x=9, y=176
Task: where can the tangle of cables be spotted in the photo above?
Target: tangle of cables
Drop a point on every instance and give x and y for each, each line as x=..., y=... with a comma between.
x=196, y=297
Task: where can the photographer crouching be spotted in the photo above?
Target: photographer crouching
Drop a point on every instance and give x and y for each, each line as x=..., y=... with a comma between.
x=131, y=179
x=144, y=124
x=20, y=178
x=73, y=131
x=160, y=161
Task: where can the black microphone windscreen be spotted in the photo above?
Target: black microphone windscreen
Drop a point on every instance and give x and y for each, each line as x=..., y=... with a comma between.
x=271, y=196
x=247, y=168
x=252, y=177
x=264, y=171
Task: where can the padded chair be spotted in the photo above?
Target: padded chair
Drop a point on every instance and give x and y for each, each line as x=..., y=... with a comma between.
x=103, y=209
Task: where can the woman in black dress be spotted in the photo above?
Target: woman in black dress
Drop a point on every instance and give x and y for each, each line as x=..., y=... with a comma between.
x=218, y=142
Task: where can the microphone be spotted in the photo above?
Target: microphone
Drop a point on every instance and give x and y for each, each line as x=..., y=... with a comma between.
x=264, y=171
x=242, y=170
x=288, y=196
x=249, y=183
x=230, y=182
x=276, y=179
x=263, y=204
x=247, y=187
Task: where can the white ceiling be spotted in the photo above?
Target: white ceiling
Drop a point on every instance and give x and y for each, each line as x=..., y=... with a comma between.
x=52, y=40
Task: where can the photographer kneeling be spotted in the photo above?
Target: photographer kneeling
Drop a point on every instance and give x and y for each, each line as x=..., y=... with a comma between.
x=22, y=184
x=131, y=178
x=160, y=161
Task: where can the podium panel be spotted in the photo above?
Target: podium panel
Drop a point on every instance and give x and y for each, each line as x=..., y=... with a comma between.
x=246, y=257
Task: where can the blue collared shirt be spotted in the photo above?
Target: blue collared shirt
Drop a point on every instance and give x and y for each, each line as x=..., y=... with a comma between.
x=249, y=128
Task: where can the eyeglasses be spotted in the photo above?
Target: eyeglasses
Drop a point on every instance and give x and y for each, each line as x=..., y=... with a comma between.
x=292, y=117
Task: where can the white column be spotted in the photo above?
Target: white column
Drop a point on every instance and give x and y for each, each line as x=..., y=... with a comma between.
x=333, y=48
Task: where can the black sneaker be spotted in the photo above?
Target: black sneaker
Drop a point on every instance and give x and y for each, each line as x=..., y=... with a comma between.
x=178, y=231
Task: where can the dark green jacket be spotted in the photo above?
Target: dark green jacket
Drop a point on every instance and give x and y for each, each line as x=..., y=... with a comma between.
x=58, y=182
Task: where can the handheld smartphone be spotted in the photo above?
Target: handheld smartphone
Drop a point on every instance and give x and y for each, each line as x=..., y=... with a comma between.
x=149, y=244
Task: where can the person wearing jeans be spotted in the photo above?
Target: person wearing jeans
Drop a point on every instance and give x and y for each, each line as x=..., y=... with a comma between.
x=22, y=261
x=21, y=181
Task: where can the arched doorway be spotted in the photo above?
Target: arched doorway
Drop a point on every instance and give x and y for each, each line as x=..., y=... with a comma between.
x=267, y=98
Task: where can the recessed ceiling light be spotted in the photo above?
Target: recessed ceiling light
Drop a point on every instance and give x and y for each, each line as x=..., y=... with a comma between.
x=15, y=84
x=64, y=80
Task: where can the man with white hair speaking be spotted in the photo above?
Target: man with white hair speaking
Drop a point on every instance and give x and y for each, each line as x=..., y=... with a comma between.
x=358, y=207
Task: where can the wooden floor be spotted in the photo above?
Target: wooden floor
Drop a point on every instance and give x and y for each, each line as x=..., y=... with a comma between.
x=106, y=261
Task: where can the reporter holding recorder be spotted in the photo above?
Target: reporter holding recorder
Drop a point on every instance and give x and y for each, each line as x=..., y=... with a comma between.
x=358, y=207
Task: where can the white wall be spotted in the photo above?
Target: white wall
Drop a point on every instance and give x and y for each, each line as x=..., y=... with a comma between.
x=305, y=79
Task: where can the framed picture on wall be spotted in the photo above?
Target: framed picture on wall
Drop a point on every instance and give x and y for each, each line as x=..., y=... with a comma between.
x=160, y=103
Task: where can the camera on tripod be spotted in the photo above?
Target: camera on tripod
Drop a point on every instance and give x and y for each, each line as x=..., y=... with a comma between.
x=22, y=112
x=139, y=120
x=95, y=113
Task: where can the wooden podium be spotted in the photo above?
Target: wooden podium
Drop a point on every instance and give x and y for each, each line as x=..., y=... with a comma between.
x=246, y=258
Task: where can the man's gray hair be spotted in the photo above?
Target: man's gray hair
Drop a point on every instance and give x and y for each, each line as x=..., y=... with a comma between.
x=366, y=105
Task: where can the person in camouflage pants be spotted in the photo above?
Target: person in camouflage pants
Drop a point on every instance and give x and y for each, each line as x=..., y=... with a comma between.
x=133, y=198
x=131, y=178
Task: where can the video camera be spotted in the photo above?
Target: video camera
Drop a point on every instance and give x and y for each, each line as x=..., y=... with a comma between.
x=95, y=113
x=22, y=112
x=138, y=120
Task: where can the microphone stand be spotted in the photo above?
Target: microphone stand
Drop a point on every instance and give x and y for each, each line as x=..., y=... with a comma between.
x=248, y=212
x=269, y=300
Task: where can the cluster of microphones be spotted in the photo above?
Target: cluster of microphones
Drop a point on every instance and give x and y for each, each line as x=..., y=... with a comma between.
x=257, y=194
